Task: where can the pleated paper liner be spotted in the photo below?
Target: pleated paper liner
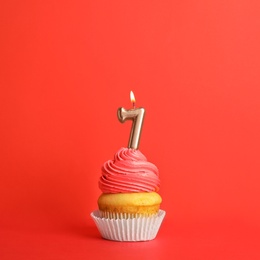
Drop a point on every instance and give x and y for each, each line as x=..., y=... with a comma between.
x=129, y=228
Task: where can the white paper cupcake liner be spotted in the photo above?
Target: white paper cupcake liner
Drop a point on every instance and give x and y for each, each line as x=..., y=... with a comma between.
x=129, y=229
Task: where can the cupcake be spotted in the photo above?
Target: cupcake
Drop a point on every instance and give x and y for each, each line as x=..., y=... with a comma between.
x=129, y=206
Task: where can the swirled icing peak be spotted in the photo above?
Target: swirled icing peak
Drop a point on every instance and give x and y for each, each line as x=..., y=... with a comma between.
x=129, y=172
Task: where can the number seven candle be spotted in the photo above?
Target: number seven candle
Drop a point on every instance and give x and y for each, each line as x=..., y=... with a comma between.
x=137, y=116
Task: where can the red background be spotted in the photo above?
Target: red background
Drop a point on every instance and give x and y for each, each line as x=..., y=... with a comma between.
x=65, y=68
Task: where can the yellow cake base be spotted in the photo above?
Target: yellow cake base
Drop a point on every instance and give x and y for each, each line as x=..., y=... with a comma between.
x=124, y=205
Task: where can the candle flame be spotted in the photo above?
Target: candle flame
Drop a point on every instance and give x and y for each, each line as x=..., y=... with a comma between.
x=132, y=97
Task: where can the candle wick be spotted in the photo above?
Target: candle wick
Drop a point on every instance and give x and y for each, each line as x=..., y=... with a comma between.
x=133, y=105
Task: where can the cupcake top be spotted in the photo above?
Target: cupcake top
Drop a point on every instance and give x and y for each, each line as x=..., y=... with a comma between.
x=129, y=172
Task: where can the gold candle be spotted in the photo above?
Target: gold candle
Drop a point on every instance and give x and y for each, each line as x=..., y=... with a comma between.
x=137, y=116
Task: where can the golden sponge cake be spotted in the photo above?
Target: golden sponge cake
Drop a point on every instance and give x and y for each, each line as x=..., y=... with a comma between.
x=125, y=205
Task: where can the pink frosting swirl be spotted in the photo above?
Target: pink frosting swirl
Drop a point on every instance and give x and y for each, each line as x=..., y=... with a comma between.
x=129, y=172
